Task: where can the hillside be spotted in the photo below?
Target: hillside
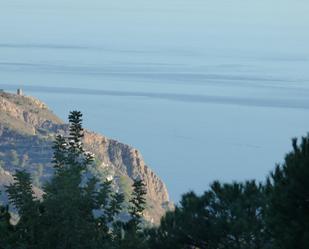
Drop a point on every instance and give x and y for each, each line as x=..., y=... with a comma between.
x=27, y=130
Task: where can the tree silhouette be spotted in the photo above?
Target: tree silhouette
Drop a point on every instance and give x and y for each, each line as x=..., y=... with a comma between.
x=288, y=192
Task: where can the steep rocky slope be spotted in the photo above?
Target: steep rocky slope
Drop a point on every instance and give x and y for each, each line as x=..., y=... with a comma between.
x=27, y=129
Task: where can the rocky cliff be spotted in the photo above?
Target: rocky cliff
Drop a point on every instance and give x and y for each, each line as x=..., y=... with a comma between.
x=27, y=130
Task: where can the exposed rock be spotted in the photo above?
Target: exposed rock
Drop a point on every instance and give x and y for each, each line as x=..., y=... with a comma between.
x=28, y=127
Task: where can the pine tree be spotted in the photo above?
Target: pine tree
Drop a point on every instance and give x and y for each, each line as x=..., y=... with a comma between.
x=228, y=216
x=288, y=203
x=79, y=210
x=68, y=217
x=133, y=236
x=21, y=196
x=138, y=201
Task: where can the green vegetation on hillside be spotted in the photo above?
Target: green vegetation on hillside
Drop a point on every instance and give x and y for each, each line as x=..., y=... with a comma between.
x=78, y=210
x=29, y=128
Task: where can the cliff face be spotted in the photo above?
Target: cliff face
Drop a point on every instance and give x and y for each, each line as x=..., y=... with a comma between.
x=27, y=129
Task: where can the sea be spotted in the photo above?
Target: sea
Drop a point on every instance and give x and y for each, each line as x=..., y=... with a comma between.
x=205, y=89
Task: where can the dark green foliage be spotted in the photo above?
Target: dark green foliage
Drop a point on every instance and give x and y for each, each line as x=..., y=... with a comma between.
x=6, y=229
x=133, y=236
x=138, y=200
x=125, y=187
x=20, y=193
x=76, y=211
x=21, y=197
x=79, y=211
x=288, y=191
x=229, y=216
x=244, y=215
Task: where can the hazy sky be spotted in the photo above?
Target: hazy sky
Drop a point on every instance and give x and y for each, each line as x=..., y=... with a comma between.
x=138, y=24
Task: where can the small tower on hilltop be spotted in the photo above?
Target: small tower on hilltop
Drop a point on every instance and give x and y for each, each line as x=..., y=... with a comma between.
x=20, y=92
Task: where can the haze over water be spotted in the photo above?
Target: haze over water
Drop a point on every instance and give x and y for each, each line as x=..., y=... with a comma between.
x=205, y=89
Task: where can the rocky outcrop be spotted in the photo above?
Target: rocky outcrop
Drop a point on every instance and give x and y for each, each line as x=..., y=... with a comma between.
x=27, y=129
x=24, y=114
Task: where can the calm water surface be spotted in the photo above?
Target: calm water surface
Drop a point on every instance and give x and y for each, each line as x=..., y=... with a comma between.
x=205, y=89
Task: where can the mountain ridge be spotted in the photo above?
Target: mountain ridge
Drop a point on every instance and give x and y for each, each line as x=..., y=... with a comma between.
x=27, y=130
